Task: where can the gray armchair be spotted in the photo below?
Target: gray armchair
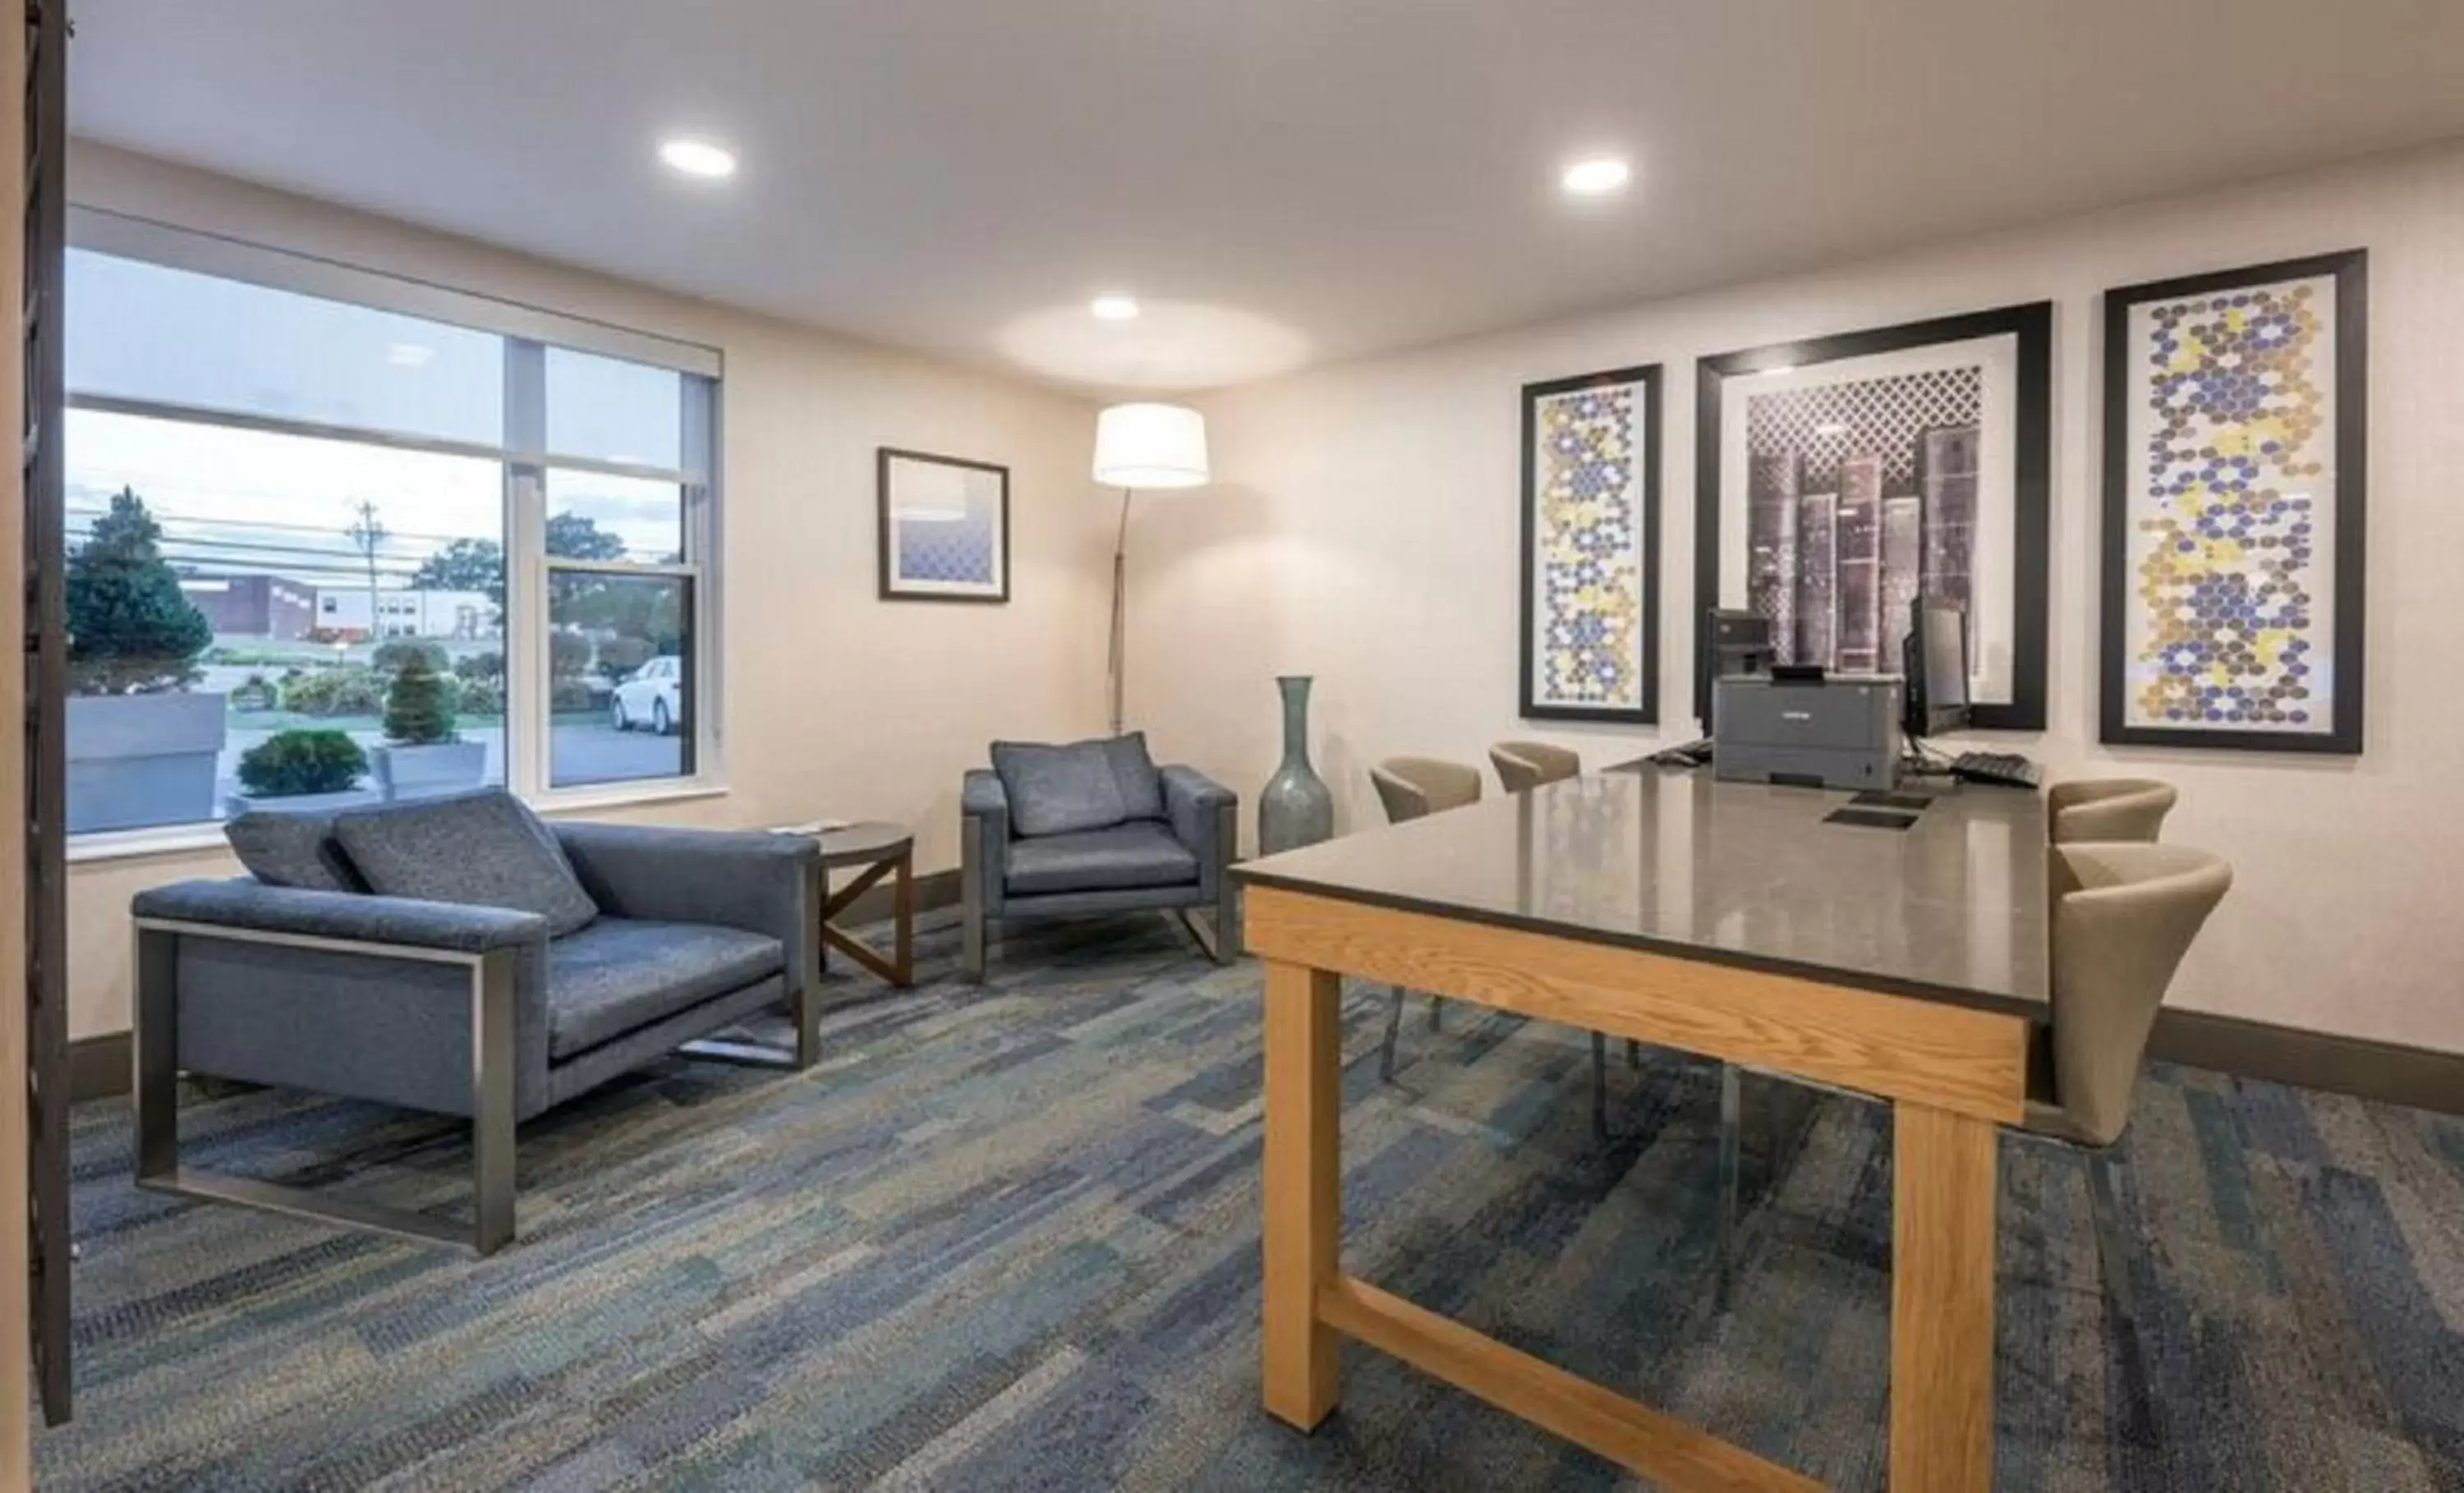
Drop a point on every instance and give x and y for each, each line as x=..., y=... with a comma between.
x=1096, y=827
x=460, y=957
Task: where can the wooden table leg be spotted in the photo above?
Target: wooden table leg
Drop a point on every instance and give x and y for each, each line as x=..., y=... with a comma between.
x=821, y=933
x=900, y=972
x=1303, y=1188
x=1942, y=1303
x=903, y=913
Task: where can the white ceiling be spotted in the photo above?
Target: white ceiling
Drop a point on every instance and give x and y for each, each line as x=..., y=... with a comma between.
x=1280, y=180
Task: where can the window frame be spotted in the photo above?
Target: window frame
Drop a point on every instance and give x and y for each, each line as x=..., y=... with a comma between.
x=524, y=460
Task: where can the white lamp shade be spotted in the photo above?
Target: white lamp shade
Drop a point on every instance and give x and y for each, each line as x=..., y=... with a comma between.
x=1151, y=446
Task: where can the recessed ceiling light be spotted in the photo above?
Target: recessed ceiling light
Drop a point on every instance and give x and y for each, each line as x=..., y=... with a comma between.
x=697, y=156
x=1113, y=308
x=1597, y=176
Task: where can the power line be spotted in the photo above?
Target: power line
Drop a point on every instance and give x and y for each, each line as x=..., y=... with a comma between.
x=287, y=528
x=75, y=507
x=302, y=569
x=348, y=557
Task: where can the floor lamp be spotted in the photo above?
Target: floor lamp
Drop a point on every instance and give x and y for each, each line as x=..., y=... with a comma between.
x=1142, y=445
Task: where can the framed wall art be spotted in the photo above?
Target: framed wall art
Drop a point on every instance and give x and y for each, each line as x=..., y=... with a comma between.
x=944, y=528
x=1591, y=547
x=1838, y=479
x=2234, y=455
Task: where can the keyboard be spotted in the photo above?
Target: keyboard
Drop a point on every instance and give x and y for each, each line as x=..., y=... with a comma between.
x=1693, y=753
x=2000, y=769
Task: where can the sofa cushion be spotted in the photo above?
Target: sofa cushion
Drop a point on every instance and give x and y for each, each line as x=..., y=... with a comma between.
x=483, y=847
x=621, y=974
x=1140, y=853
x=1060, y=790
x=292, y=850
x=1141, y=785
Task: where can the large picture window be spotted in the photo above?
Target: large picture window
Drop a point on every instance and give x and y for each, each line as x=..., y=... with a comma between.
x=334, y=539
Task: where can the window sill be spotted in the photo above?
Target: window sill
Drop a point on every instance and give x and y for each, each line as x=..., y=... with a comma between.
x=130, y=844
x=560, y=802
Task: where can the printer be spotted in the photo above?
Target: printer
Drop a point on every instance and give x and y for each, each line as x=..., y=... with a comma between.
x=1839, y=731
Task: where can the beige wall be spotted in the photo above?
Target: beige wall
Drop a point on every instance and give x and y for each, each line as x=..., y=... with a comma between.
x=836, y=703
x=1364, y=529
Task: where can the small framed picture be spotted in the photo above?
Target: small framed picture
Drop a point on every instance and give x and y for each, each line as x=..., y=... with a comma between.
x=944, y=528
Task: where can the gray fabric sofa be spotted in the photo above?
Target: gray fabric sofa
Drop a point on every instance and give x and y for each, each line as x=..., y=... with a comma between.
x=1094, y=827
x=461, y=956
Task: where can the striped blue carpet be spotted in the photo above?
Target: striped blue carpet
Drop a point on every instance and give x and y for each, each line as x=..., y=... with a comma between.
x=1006, y=1238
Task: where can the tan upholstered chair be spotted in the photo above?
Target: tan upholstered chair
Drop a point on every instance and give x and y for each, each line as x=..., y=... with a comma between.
x=2108, y=809
x=2103, y=810
x=2124, y=916
x=1523, y=765
x=1413, y=787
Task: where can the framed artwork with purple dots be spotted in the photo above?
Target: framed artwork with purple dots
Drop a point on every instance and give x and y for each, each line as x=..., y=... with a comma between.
x=1841, y=480
x=1591, y=547
x=2236, y=407
x=943, y=527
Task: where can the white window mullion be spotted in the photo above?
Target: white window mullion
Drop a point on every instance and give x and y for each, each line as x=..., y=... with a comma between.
x=526, y=684
x=526, y=655
x=364, y=435
x=701, y=541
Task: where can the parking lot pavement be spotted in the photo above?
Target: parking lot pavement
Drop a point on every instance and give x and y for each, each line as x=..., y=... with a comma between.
x=596, y=752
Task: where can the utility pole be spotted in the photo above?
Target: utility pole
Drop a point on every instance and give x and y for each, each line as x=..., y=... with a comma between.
x=365, y=536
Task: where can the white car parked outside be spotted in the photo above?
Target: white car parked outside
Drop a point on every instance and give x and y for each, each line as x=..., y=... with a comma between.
x=652, y=695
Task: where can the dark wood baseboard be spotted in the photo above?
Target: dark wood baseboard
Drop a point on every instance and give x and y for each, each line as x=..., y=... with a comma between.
x=934, y=892
x=2388, y=1072
x=99, y=1066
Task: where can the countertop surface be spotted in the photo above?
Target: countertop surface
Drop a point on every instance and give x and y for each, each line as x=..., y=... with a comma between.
x=1951, y=908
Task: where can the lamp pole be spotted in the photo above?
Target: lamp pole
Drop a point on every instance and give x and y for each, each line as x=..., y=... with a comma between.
x=1140, y=445
x=1117, y=664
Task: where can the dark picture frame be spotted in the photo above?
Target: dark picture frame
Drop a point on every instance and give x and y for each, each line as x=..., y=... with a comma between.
x=2031, y=326
x=2349, y=441
x=1645, y=379
x=895, y=588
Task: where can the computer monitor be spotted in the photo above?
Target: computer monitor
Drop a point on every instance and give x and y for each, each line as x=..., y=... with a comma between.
x=1935, y=661
x=1734, y=642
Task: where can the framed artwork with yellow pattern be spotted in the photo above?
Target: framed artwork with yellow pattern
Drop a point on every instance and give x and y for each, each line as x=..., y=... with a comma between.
x=2236, y=407
x=1591, y=547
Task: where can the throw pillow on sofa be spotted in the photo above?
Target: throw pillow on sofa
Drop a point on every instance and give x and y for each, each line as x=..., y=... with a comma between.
x=296, y=850
x=1141, y=785
x=483, y=849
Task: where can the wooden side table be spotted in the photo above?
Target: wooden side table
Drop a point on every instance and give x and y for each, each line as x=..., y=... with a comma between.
x=881, y=851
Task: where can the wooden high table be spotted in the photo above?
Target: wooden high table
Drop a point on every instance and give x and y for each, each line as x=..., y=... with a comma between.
x=1726, y=919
